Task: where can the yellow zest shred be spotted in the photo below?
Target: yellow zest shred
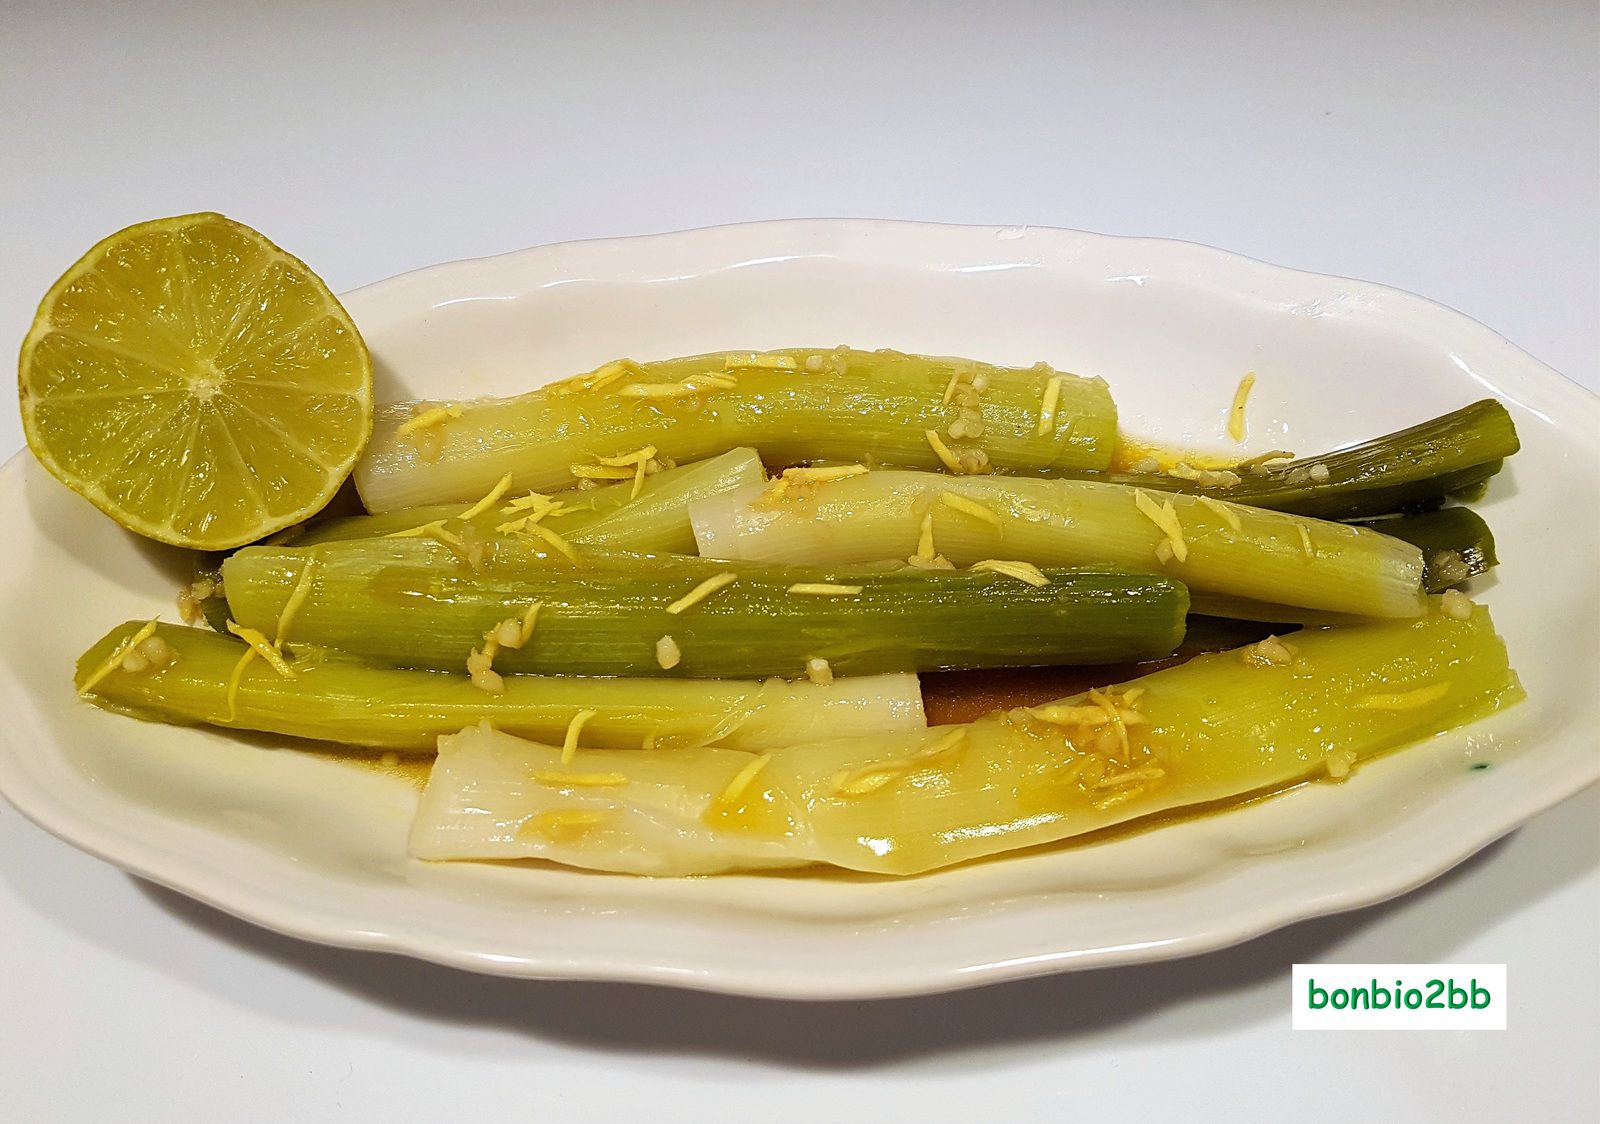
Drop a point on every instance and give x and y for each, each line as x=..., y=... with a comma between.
x=1404, y=700
x=1062, y=714
x=824, y=589
x=1022, y=571
x=1047, y=408
x=942, y=748
x=1115, y=716
x=868, y=779
x=1226, y=512
x=536, y=500
x=950, y=387
x=561, y=823
x=942, y=451
x=114, y=660
x=824, y=475
x=555, y=541
x=451, y=542
x=601, y=472
x=700, y=592
x=736, y=788
x=579, y=780
x=1305, y=541
x=263, y=647
x=529, y=620
x=1131, y=776
x=302, y=590
x=925, y=550
x=1165, y=518
x=427, y=419
x=969, y=507
x=489, y=500
x=1236, y=428
x=234, y=679
x=415, y=532
x=569, y=746
x=627, y=459
x=759, y=361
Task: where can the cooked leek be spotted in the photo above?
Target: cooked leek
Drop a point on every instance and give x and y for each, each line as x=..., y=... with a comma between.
x=1212, y=546
x=656, y=519
x=408, y=710
x=792, y=406
x=1220, y=727
x=411, y=603
x=1406, y=470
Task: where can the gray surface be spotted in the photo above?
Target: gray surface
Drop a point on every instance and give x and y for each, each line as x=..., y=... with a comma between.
x=1449, y=149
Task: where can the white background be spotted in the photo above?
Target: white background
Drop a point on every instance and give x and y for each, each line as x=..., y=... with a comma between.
x=1450, y=149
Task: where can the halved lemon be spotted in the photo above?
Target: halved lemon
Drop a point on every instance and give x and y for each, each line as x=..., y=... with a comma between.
x=196, y=383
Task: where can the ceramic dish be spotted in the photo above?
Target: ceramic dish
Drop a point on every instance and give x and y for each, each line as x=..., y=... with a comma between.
x=316, y=847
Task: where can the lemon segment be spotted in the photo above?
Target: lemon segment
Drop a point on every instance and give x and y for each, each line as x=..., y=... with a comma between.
x=196, y=383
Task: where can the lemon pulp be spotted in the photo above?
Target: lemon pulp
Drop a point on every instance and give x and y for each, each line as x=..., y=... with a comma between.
x=196, y=383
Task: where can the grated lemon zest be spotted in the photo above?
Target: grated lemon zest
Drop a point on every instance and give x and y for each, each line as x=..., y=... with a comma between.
x=941, y=748
x=569, y=745
x=824, y=589
x=114, y=660
x=579, y=780
x=427, y=419
x=234, y=678
x=700, y=592
x=414, y=532
x=1236, y=427
x=1305, y=541
x=302, y=590
x=942, y=451
x=600, y=472
x=1115, y=717
x=823, y=475
x=741, y=781
x=760, y=362
x=1062, y=714
x=263, y=647
x=627, y=459
x=1226, y=512
x=1022, y=571
x=554, y=824
x=1404, y=700
x=554, y=540
x=489, y=500
x=451, y=542
x=925, y=549
x=950, y=387
x=1047, y=408
x=529, y=620
x=969, y=507
x=1166, y=520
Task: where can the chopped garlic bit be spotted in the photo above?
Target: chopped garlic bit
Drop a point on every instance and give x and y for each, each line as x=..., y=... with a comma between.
x=1456, y=605
x=555, y=779
x=668, y=654
x=151, y=653
x=1318, y=473
x=1449, y=567
x=1021, y=571
x=729, y=797
x=1271, y=652
x=1236, y=426
x=569, y=745
x=1047, y=408
x=818, y=671
x=1165, y=517
x=700, y=592
x=1145, y=466
x=427, y=419
x=193, y=595
x=1404, y=700
x=824, y=589
x=814, y=363
x=969, y=507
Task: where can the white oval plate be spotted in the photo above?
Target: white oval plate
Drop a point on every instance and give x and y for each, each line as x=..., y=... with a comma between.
x=316, y=848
